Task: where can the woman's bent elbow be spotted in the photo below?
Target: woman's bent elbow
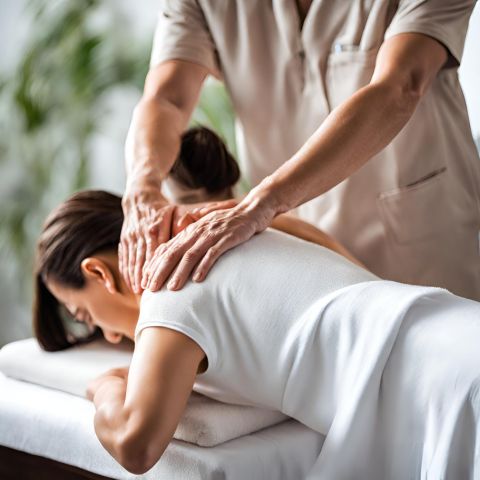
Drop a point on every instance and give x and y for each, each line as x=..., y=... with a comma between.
x=138, y=463
x=139, y=457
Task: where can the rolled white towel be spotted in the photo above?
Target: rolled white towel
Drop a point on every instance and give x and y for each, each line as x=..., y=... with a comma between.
x=206, y=422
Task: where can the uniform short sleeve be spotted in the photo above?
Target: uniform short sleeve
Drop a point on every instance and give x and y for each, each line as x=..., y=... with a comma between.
x=444, y=20
x=182, y=34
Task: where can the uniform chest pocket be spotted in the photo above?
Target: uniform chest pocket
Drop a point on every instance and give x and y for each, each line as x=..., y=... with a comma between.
x=348, y=71
x=419, y=211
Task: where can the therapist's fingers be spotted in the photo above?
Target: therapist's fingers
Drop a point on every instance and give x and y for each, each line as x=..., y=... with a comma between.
x=158, y=232
x=123, y=262
x=148, y=267
x=211, y=207
x=147, y=223
x=181, y=224
x=164, y=261
x=213, y=253
x=132, y=255
x=138, y=265
x=209, y=237
x=205, y=252
x=170, y=254
x=187, y=263
x=151, y=244
x=120, y=258
x=143, y=242
x=160, y=264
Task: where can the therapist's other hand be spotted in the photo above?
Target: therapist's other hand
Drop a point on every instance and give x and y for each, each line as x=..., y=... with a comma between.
x=200, y=244
x=147, y=224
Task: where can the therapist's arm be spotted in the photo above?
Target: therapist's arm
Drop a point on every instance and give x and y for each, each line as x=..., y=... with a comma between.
x=285, y=222
x=153, y=142
x=136, y=419
x=353, y=133
x=360, y=127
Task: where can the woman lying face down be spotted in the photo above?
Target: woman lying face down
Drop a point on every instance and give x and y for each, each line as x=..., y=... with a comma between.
x=279, y=323
x=77, y=272
x=89, y=287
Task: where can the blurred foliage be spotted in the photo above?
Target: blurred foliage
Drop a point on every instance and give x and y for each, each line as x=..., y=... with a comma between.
x=77, y=51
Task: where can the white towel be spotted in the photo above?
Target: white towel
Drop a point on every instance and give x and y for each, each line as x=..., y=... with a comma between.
x=401, y=372
x=53, y=424
x=205, y=422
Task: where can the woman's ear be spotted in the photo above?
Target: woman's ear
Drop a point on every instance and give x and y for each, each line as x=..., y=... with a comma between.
x=95, y=269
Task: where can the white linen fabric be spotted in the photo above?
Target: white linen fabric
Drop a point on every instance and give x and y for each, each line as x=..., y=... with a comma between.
x=67, y=370
x=205, y=422
x=292, y=326
x=59, y=426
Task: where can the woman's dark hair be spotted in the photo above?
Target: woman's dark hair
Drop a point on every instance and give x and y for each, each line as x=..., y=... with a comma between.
x=87, y=223
x=91, y=221
x=204, y=161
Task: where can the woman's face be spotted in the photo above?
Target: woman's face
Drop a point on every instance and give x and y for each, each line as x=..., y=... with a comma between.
x=101, y=302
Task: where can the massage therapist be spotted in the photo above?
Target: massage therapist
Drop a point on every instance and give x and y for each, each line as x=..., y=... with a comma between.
x=350, y=114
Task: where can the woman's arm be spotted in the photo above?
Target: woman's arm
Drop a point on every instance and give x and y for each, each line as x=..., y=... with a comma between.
x=135, y=419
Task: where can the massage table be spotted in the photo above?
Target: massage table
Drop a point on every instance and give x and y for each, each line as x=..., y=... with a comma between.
x=46, y=426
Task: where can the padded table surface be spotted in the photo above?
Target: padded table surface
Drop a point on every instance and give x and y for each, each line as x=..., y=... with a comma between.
x=59, y=426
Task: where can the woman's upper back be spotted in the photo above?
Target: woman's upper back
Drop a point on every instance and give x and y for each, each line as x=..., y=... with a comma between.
x=247, y=314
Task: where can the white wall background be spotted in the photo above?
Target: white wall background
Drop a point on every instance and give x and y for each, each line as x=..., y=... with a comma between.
x=107, y=165
x=469, y=71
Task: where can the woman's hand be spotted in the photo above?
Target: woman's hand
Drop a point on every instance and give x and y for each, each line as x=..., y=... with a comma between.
x=96, y=383
x=199, y=245
x=147, y=224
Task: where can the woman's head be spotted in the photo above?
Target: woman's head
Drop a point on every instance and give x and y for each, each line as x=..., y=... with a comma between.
x=76, y=270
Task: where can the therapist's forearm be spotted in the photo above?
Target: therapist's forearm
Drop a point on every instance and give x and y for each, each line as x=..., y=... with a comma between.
x=154, y=141
x=353, y=133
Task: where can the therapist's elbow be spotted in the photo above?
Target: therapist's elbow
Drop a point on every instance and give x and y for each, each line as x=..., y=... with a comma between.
x=399, y=98
x=406, y=90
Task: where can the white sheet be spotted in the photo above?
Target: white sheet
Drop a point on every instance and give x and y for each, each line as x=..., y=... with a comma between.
x=59, y=426
x=405, y=385
x=205, y=421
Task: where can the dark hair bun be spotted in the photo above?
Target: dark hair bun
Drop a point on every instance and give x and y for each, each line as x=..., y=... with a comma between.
x=204, y=161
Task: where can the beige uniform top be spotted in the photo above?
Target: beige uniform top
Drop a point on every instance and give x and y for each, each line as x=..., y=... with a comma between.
x=412, y=212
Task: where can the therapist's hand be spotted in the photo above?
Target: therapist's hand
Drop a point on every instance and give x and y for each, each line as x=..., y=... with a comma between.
x=184, y=215
x=147, y=224
x=200, y=244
